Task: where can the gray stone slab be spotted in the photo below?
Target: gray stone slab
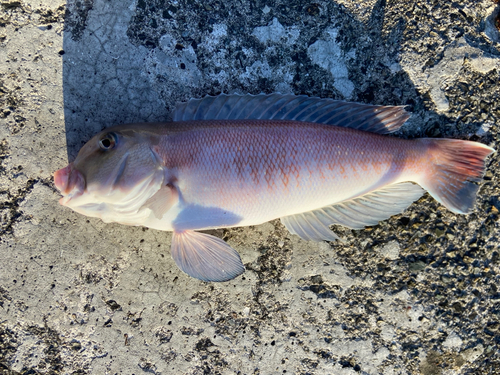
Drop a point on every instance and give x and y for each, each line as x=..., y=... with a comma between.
x=417, y=293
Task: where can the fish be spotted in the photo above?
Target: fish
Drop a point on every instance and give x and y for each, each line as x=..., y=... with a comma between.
x=241, y=160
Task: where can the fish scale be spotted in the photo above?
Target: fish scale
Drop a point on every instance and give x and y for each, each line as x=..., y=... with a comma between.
x=289, y=176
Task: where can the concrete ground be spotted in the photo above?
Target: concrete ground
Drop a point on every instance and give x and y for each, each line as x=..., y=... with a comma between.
x=416, y=294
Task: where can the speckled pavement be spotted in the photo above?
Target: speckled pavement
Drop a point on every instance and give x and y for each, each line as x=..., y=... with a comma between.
x=416, y=294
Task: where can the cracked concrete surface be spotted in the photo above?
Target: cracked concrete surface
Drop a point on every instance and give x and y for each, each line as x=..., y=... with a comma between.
x=416, y=294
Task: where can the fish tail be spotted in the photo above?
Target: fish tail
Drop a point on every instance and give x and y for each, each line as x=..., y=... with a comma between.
x=455, y=169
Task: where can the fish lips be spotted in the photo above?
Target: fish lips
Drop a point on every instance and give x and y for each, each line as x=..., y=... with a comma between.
x=70, y=182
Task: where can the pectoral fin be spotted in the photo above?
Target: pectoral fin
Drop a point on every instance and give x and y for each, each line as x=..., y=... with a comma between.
x=205, y=257
x=162, y=200
x=355, y=213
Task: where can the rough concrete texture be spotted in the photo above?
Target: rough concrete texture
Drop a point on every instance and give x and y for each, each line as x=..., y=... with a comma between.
x=417, y=294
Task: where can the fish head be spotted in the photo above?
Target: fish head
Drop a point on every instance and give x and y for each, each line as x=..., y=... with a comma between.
x=113, y=175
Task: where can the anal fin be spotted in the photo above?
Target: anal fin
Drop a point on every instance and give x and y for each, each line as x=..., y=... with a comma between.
x=308, y=227
x=205, y=257
x=355, y=213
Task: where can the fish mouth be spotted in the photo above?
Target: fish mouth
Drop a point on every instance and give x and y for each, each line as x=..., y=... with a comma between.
x=70, y=182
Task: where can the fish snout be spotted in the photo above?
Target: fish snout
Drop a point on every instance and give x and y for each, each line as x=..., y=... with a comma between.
x=70, y=182
x=61, y=178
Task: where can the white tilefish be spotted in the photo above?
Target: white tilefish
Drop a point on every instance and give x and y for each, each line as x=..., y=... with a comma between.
x=238, y=160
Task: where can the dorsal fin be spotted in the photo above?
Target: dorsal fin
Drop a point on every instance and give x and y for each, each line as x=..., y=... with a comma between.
x=372, y=118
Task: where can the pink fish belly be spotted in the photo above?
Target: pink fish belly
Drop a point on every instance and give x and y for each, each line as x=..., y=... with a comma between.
x=260, y=170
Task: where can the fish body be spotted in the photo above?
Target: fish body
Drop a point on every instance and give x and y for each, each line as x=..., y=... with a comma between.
x=243, y=160
x=253, y=171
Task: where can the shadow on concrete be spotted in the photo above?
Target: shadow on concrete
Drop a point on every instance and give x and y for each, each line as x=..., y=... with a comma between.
x=124, y=64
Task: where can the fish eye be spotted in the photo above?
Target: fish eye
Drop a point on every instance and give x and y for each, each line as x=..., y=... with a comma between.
x=108, y=141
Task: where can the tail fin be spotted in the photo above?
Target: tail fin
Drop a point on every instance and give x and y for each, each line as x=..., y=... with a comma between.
x=456, y=167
